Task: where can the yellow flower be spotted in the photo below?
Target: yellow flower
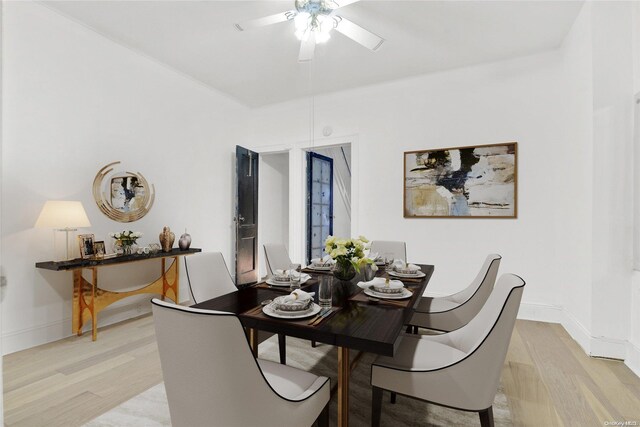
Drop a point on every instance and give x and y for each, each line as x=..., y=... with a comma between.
x=363, y=239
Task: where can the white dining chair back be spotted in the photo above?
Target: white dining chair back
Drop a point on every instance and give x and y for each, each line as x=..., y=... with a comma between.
x=208, y=276
x=459, y=369
x=212, y=378
x=277, y=257
x=451, y=312
x=398, y=249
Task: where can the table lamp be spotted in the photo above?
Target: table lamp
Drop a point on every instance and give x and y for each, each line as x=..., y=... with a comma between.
x=64, y=216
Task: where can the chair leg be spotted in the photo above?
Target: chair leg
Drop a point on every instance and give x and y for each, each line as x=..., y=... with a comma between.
x=409, y=328
x=323, y=418
x=486, y=417
x=393, y=397
x=313, y=344
x=376, y=406
x=282, y=346
x=415, y=330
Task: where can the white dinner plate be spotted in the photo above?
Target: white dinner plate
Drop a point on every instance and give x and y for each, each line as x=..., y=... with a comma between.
x=272, y=282
x=418, y=275
x=311, y=311
x=406, y=293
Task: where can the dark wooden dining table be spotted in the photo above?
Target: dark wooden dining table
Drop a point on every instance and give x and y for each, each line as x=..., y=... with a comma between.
x=355, y=323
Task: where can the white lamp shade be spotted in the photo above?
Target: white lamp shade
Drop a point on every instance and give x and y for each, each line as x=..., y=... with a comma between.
x=63, y=214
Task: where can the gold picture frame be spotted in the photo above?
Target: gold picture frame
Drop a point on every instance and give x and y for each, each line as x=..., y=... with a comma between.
x=122, y=196
x=99, y=249
x=85, y=241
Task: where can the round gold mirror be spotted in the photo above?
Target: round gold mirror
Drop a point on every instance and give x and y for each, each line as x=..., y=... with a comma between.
x=122, y=196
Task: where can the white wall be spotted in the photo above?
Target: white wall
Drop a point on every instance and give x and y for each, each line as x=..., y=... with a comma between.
x=634, y=341
x=519, y=100
x=573, y=228
x=273, y=203
x=73, y=102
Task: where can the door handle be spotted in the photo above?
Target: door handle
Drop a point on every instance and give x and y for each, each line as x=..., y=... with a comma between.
x=240, y=218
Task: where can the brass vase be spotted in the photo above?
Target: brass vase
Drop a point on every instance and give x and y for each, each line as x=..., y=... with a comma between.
x=166, y=239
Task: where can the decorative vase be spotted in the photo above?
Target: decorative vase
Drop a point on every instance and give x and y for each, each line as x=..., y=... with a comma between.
x=344, y=271
x=185, y=241
x=126, y=249
x=166, y=239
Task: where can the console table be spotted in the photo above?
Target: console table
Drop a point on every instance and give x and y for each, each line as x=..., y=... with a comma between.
x=89, y=299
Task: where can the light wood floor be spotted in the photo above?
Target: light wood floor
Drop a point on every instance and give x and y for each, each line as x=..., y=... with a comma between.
x=547, y=378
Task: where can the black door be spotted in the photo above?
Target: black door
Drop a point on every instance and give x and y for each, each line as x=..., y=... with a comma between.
x=246, y=216
x=319, y=203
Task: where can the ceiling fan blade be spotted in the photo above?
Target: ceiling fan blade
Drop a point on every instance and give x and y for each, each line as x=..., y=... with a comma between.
x=307, y=49
x=354, y=31
x=343, y=3
x=267, y=20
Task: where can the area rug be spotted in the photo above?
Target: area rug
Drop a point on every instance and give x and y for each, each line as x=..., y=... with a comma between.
x=150, y=408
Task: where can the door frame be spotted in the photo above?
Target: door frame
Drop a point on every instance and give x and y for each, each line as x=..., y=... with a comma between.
x=298, y=188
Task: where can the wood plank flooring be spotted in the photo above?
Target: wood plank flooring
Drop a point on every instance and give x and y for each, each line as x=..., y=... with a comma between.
x=547, y=378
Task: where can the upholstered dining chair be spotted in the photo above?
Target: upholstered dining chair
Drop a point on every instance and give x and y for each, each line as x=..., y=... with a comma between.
x=209, y=278
x=398, y=249
x=459, y=369
x=454, y=311
x=277, y=257
x=212, y=378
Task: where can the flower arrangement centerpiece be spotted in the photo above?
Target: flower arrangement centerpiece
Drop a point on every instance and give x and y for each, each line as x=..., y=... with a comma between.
x=348, y=254
x=126, y=239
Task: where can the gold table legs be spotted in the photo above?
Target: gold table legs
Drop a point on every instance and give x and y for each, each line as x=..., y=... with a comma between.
x=89, y=299
x=253, y=341
x=343, y=386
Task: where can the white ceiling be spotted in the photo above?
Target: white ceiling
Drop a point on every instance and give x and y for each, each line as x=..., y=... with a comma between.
x=260, y=66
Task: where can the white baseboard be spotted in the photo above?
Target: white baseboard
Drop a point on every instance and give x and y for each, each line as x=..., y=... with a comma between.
x=611, y=348
x=577, y=331
x=633, y=358
x=540, y=312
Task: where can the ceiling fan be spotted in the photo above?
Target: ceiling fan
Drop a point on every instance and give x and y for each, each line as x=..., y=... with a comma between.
x=314, y=20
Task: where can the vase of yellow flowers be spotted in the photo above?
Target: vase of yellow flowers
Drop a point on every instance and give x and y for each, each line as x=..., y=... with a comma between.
x=348, y=254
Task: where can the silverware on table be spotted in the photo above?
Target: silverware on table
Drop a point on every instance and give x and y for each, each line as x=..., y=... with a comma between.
x=322, y=317
x=316, y=317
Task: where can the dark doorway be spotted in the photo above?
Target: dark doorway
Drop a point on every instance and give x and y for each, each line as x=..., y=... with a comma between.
x=246, y=216
x=319, y=203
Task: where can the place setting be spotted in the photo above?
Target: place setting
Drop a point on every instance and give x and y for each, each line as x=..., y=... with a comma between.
x=291, y=278
x=322, y=265
x=383, y=290
x=298, y=305
x=404, y=271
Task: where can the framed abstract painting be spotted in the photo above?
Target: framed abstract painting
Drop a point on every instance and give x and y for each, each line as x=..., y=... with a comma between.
x=462, y=182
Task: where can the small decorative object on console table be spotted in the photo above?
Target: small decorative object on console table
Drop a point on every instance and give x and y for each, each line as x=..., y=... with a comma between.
x=349, y=255
x=185, y=241
x=125, y=240
x=166, y=239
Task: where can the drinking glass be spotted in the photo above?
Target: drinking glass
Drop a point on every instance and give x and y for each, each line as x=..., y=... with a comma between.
x=325, y=291
x=388, y=261
x=294, y=276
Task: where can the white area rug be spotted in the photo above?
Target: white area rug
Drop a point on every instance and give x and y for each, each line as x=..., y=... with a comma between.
x=150, y=409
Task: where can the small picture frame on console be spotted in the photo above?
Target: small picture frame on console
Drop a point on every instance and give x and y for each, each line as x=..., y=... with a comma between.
x=98, y=249
x=86, y=245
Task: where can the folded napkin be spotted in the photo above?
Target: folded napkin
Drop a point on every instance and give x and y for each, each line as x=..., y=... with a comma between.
x=398, y=263
x=381, y=281
x=297, y=296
